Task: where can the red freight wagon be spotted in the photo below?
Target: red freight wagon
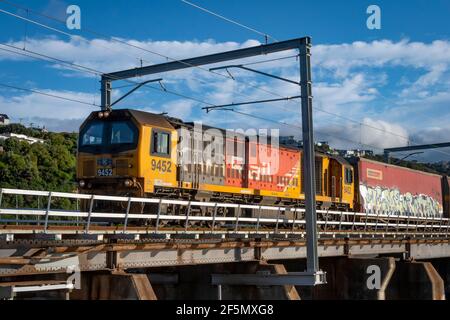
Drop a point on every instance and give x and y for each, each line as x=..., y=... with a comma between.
x=385, y=188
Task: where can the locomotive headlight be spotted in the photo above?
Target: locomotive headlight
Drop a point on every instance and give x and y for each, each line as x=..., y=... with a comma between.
x=81, y=183
x=128, y=183
x=100, y=115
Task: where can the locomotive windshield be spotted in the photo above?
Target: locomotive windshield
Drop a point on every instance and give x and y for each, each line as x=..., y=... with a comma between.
x=108, y=136
x=93, y=135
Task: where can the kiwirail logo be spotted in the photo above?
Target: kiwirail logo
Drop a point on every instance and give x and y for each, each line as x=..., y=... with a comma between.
x=259, y=148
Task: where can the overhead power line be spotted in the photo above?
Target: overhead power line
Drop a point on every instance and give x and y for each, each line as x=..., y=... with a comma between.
x=137, y=47
x=170, y=58
x=91, y=70
x=342, y=117
x=48, y=94
x=44, y=57
x=298, y=127
x=204, y=69
x=265, y=35
x=130, y=45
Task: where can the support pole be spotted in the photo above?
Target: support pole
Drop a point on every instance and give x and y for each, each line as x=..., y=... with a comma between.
x=105, y=93
x=308, y=157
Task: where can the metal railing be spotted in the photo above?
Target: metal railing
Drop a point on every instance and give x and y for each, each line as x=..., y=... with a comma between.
x=282, y=220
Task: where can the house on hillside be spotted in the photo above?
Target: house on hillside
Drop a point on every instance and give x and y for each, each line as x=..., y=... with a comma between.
x=20, y=137
x=4, y=119
x=354, y=153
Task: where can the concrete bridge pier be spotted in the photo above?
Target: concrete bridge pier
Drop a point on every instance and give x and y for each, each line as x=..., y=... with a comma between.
x=442, y=266
x=194, y=282
x=180, y=283
x=368, y=278
x=114, y=286
x=350, y=278
x=415, y=280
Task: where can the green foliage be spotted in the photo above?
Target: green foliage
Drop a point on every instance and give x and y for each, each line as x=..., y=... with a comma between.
x=49, y=166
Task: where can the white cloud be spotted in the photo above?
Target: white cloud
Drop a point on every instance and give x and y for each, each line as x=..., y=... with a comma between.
x=179, y=108
x=109, y=55
x=349, y=80
x=383, y=134
x=48, y=111
x=343, y=57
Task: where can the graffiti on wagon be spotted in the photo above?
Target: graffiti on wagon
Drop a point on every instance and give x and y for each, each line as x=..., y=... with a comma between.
x=382, y=200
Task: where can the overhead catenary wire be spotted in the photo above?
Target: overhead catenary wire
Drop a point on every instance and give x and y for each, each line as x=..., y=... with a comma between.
x=167, y=57
x=51, y=28
x=99, y=72
x=44, y=57
x=90, y=70
x=139, y=47
x=48, y=94
x=265, y=35
x=409, y=140
x=114, y=39
x=93, y=70
x=297, y=127
x=131, y=45
x=270, y=60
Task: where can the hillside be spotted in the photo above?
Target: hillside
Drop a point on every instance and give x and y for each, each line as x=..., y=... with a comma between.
x=38, y=166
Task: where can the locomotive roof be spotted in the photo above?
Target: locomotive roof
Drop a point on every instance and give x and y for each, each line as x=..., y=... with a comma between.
x=142, y=117
x=152, y=119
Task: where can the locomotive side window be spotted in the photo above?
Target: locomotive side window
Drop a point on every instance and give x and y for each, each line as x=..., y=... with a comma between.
x=348, y=176
x=160, y=143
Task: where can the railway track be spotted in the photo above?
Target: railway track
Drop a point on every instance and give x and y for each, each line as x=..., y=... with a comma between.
x=281, y=222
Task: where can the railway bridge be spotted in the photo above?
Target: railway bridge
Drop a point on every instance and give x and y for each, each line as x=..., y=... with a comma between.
x=51, y=248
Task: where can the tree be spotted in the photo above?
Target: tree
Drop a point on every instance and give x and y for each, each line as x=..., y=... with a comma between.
x=40, y=166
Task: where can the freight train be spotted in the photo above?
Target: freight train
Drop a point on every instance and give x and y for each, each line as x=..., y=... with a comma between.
x=134, y=153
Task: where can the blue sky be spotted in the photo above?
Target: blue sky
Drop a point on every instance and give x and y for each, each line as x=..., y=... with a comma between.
x=395, y=81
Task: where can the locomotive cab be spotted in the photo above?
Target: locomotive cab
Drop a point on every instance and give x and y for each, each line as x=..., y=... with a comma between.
x=108, y=152
x=126, y=152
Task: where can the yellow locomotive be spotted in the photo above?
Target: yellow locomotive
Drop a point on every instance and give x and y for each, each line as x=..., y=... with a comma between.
x=136, y=153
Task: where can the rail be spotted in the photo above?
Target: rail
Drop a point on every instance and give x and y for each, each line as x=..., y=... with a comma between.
x=284, y=221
